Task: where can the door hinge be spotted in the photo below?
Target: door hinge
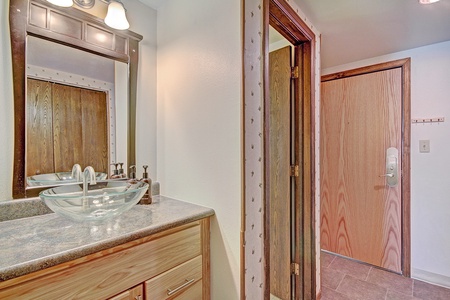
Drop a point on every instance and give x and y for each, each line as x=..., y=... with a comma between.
x=295, y=269
x=294, y=171
x=294, y=72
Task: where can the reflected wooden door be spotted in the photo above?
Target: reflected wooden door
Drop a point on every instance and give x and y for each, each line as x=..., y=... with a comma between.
x=280, y=182
x=39, y=145
x=67, y=127
x=361, y=117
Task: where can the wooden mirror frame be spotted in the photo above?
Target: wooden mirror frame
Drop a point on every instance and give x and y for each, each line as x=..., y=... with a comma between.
x=74, y=28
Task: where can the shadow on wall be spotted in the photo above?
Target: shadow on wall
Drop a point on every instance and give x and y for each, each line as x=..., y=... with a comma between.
x=221, y=289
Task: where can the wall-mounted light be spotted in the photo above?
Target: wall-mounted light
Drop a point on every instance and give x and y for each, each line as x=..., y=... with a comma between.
x=427, y=1
x=115, y=17
x=63, y=3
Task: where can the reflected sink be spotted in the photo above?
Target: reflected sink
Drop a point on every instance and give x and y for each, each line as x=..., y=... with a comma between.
x=104, y=200
x=57, y=178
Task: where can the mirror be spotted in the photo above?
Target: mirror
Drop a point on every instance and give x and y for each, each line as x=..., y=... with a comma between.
x=37, y=26
x=70, y=112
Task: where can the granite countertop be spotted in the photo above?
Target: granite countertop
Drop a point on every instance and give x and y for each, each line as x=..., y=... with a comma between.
x=35, y=243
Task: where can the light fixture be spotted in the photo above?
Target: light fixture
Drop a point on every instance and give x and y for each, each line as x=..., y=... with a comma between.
x=115, y=17
x=427, y=1
x=85, y=3
x=63, y=3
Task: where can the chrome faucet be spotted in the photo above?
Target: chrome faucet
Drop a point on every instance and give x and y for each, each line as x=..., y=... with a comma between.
x=88, y=175
x=76, y=172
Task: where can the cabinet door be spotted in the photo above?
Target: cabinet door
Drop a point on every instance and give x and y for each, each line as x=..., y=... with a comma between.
x=136, y=293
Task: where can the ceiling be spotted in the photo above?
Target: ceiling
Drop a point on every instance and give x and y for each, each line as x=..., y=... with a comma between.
x=152, y=3
x=353, y=30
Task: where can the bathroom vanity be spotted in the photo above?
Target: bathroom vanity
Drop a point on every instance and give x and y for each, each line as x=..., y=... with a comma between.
x=156, y=251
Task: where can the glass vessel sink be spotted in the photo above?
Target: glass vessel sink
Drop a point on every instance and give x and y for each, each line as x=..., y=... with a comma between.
x=103, y=200
x=57, y=178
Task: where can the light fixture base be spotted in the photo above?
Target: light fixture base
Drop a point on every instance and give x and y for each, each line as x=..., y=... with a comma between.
x=85, y=3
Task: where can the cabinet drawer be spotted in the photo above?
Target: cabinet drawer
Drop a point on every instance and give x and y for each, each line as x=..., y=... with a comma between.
x=177, y=282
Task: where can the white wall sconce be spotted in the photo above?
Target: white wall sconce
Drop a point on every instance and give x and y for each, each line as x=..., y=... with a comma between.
x=427, y=1
x=115, y=17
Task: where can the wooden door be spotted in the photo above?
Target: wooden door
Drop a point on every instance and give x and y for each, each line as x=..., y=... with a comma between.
x=67, y=127
x=95, y=129
x=39, y=144
x=280, y=162
x=361, y=216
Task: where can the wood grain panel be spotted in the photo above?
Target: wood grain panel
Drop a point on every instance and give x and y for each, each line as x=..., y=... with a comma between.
x=38, y=15
x=194, y=292
x=361, y=215
x=280, y=160
x=66, y=25
x=158, y=287
x=94, y=112
x=206, y=256
x=67, y=127
x=39, y=146
x=112, y=274
x=136, y=293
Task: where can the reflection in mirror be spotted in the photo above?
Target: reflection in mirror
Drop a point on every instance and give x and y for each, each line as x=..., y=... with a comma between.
x=71, y=112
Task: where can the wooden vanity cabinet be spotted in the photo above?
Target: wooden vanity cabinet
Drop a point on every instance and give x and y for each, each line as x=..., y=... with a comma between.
x=172, y=264
x=136, y=293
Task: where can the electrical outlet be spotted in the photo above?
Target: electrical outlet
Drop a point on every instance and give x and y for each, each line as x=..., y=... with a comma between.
x=424, y=146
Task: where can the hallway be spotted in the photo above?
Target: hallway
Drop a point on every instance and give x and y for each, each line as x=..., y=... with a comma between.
x=344, y=279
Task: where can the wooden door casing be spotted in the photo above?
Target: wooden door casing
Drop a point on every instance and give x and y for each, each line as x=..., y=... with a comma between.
x=280, y=161
x=361, y=217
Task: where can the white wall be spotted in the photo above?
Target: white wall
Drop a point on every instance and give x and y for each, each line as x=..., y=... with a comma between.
x=430, y=172
x=199, y=121
x=143, y=21
x=6, y=104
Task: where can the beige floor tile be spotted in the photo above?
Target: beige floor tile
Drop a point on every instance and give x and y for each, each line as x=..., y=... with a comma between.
x=331, y=278
x=326, y=259
x=329, y=294
x=357, y=289
x=349, y=267
x=391, y=281
x=393, y=295
x=429, y=291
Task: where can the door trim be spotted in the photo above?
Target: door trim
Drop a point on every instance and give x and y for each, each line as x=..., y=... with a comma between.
x=405, y=66
x=280, y=15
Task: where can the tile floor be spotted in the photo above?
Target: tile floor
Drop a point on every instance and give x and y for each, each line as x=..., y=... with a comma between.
x=344, y=279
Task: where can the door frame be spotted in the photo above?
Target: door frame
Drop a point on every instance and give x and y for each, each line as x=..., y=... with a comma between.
x=281, y=16
x=405, y=66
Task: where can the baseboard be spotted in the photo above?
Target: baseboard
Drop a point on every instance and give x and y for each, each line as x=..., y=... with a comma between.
x=429, y=277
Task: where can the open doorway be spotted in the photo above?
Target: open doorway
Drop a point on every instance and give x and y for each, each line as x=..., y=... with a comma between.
x=289, y=157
